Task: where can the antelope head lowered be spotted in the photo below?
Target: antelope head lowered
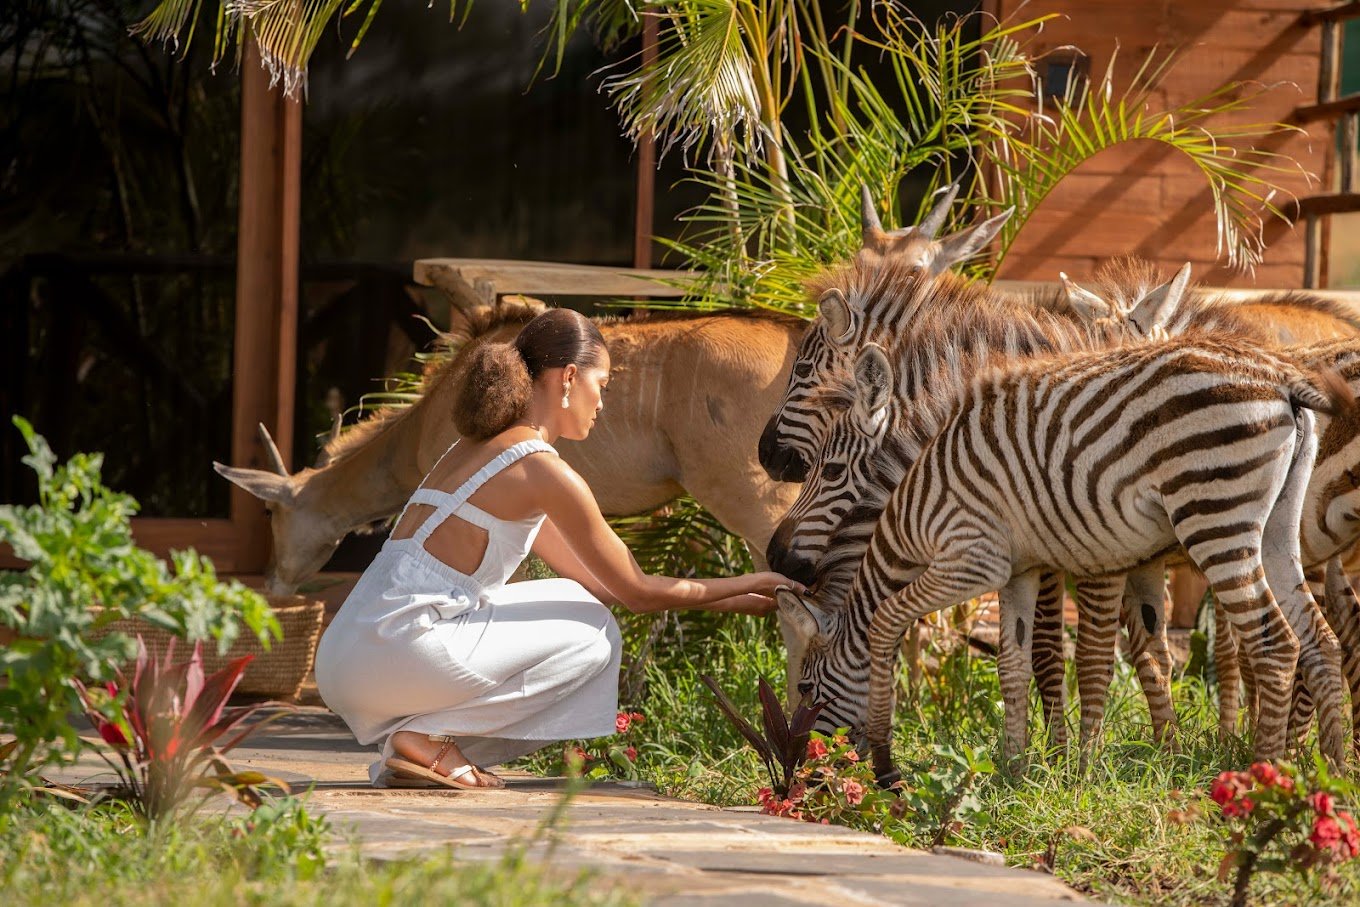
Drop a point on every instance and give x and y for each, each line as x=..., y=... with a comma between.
x=311, y=541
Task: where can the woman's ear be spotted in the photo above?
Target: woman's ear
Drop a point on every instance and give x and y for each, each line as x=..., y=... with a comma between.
x=569, y=372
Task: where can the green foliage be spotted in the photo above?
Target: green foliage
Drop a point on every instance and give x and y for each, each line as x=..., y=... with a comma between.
x=85, y=572
x=278, y=854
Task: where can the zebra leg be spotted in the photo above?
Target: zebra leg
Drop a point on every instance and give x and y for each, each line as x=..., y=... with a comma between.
x=1097, y=628
x=1319, y=653
x=1049, y=665
x=941, y=585
x=1228, y=666
x=1301, y=708
x=1343, y=613
x=1013, y=663
x=1269, y=645
x=1144, y=611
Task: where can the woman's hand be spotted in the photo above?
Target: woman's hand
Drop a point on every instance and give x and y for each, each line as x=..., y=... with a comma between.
x=765, y=583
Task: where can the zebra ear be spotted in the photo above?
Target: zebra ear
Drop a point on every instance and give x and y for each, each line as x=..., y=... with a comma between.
x=873, y=378
x=1160, y=305
x=1088, y=306
x=967, y=243
x=835, y=309
x=801, y=614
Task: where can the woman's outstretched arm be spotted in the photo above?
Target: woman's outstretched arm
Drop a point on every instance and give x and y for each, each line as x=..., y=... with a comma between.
x=571, y=508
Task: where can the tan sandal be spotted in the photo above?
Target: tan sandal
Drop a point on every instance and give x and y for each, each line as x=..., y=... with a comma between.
x=406, y=770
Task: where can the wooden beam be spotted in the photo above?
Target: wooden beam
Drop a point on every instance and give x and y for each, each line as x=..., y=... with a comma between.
x=1317, y=205
x=1338, y=13
x=1327, y=110
x=646, y=173
x=265, y=350
x=534, y=278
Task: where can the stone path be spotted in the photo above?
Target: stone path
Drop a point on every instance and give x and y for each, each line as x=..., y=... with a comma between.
x=670, y=852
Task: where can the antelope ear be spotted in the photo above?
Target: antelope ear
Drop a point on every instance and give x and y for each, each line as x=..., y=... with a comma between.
x=802, y=614
x=835, y=309
x=1088, y=306
x=939, y=212
x=967, y=243
x=869, y=224
x=267, y=486
x=873, y=378
x=1160, y=305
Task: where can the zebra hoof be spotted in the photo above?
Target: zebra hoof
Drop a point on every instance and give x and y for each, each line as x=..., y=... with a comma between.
x=889, y=780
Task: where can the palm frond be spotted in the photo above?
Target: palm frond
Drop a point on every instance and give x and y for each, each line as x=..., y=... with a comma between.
x=702, y=82
x=1239, y=174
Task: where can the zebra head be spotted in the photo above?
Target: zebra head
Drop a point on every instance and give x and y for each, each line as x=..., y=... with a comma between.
x=843, y=470
x=1148, y=316
x=822, y=676
x=844, y=322
x=796, y=431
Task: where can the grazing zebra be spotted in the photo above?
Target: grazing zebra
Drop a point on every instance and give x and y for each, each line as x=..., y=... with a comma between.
x=1095, y=463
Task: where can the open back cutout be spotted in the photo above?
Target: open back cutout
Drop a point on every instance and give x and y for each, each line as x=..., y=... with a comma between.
x=455, y=542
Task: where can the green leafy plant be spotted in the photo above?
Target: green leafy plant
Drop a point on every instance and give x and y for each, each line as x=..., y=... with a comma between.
x=164, y=726
x=1282, y=819
x=279, y=838
x=783, y=745
x=85, y=571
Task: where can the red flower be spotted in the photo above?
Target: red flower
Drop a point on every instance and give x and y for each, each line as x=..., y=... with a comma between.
x=636, y=716
x=853, y=790
x=1266, y=773
x=1326, y=833
x=631, y=753
x=765, y=795
x=852, y=755
x=1322, y=803
x=622, y=722
x=798, y=791
x=816, y=748
x=1350, y=835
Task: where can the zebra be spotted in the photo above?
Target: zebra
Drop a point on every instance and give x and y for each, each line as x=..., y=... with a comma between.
x=1084, y=463
x=1330, y=523
x=848, y=302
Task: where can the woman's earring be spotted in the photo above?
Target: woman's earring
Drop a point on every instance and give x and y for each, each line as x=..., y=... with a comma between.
x=566, y=395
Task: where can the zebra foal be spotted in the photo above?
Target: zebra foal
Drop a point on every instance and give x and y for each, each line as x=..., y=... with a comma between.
x=1096, y=463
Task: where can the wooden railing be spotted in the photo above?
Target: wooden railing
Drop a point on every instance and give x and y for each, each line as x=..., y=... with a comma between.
x=1343, y=110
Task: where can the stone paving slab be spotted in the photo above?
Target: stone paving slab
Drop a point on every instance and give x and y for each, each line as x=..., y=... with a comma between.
x=668, y=852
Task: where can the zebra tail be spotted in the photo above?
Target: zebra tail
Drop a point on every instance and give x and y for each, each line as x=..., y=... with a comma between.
x=1323, y=390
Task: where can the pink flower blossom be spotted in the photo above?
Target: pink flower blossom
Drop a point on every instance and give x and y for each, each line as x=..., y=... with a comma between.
x=852, y=755
x=816, y=748
x=1326, y=833
x=631, y=753
x=853, y=790
x=1265, y=773
x=622, y=722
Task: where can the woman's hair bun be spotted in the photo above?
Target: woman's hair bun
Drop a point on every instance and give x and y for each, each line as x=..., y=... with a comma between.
x=495, y=392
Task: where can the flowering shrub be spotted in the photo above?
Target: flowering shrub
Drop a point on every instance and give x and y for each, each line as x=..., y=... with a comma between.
x=1282, y=819
x=608, y=757
x=833, y=785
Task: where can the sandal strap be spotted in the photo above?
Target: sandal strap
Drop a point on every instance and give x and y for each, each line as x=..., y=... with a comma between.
x=460, y=772
x=443, y=751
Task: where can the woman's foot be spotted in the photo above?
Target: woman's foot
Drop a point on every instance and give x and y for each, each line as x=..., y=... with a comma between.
x=443, y=759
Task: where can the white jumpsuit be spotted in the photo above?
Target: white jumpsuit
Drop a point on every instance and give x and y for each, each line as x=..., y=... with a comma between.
x=505, y=669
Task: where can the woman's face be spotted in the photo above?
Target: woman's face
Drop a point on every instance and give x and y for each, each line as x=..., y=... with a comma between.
x=586, y=399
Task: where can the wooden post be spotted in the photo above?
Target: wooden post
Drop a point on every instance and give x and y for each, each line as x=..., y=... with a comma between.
x=265, y=350
x=646, y=173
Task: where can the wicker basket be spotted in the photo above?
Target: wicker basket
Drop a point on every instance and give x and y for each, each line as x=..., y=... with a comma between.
x=278, y=673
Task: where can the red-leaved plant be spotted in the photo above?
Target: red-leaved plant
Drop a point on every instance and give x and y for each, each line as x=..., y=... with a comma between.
x=783, y=746
x=1283, y=819
x=833, y=785
x=164, y=726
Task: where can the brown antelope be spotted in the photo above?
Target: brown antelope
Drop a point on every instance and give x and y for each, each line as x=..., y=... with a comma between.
x=686, y=406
